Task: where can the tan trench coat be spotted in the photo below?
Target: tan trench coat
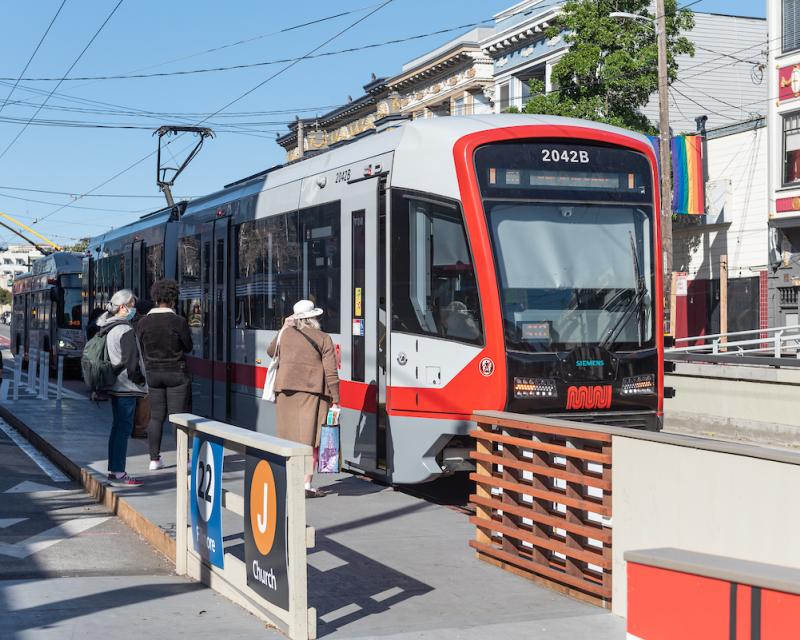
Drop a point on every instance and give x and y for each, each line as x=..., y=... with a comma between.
x=306, y=384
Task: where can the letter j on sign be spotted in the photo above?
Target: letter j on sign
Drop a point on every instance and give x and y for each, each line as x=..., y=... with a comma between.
x=265, y=548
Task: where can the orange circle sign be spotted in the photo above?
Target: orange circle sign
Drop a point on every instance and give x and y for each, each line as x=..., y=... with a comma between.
x=263, y=507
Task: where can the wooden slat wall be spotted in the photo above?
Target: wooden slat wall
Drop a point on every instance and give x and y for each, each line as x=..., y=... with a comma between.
x=541, y=494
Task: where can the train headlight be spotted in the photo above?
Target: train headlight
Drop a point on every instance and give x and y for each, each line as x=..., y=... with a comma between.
x=66, y=344
x=639, y=385
x=535, y=388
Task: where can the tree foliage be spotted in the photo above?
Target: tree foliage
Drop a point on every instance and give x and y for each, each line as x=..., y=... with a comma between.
x=5, y=296
x=80, y=246
x=611, y=68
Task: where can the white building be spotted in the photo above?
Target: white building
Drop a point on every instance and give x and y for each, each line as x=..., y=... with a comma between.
x=724, y=80
x=783, y=123
x=15, y=259
x=734, y=232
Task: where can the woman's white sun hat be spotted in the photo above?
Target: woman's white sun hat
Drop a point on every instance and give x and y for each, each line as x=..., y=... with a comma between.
x=306, y=309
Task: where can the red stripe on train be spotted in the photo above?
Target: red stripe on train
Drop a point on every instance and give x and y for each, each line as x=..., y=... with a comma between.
x=359, y=396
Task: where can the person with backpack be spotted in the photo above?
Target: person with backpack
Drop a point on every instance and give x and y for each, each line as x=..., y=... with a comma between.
x=166, y=339
x=307, y=382
x=117, y=368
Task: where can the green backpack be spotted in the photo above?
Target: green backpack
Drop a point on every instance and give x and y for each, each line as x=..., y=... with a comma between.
x=98, y=372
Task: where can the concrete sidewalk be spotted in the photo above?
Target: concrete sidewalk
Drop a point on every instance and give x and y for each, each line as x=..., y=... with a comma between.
x=386, y=564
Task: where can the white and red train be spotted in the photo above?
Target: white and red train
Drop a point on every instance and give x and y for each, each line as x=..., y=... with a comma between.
x=505, y=262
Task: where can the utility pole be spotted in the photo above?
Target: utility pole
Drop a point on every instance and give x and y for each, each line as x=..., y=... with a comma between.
x=665, y=149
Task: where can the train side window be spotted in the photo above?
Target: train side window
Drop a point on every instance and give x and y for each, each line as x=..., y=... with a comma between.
x=189, y=272
x=267, y=271
x=320, y=232
x=434, y=291
x=153, y=267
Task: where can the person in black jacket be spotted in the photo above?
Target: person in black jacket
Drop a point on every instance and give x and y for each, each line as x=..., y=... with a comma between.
x=165, y=339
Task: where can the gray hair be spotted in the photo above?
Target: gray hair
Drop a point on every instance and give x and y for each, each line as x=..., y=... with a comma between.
x=302, y=323
x=122, y=298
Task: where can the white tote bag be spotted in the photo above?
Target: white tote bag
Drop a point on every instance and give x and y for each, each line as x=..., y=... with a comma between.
x=272, y=373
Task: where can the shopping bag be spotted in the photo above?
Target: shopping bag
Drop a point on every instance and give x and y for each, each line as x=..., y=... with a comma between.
x=329, y=449
x=272, y=373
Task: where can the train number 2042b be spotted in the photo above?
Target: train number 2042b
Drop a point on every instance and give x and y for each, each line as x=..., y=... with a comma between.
x=565, y=155
x=343, y=176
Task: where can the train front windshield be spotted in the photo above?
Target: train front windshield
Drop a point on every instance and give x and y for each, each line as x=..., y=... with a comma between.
x=69, y=305
x=572, y=234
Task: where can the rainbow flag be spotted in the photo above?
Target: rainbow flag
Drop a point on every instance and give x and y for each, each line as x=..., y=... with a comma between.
x=688, y=183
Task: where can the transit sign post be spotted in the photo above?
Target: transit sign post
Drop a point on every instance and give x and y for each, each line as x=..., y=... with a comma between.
x=265, y=527
x=206, y=500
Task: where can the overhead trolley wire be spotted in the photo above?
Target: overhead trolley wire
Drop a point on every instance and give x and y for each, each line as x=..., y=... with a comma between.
x=292, y=62
x=71, y=67
x=90, y=195
x=35, y=51
x=252, y=65
x=254, y=38
x=229, y=104
x=130, y=76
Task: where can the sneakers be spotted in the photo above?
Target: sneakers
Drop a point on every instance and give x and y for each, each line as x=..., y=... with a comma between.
x=155, y=465
x=123, y=480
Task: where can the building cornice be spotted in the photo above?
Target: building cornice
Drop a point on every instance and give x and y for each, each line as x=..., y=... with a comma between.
x=458, y=55
x=519, y=34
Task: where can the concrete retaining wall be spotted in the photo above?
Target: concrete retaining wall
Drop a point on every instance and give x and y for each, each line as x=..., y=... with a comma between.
x=702, y=495
x=759, y=404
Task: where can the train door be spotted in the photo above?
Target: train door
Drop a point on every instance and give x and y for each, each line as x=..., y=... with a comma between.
x=136, y=269
x=364, y=446
x=218, y=316
x=436, y=319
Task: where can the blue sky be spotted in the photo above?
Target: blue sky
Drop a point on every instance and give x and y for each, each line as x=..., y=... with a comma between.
x=148, y=36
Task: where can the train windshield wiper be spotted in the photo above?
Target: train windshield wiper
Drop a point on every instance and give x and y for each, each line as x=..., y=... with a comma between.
x=634, y=306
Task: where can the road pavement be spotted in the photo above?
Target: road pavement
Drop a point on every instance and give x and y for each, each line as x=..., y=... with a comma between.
x=69, y=568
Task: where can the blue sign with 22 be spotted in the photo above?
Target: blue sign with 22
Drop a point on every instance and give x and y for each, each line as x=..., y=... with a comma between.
x=206, y=500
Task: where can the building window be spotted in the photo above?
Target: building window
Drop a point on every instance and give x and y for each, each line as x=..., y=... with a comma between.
x=791, y=25
x=434, y=291
x=505, y=96
x=459, y=107
x=791, y=148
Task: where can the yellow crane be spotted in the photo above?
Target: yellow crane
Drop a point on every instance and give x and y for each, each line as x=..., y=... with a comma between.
x=43, y=249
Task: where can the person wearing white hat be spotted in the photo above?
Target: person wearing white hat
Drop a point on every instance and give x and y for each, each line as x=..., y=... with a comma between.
x=307, y=383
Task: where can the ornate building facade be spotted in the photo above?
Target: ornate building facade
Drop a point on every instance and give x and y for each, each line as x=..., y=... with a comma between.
x=455, y=79
x=520, y=52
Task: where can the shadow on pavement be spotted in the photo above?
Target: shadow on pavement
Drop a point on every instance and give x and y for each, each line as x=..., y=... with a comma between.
x=47, y=615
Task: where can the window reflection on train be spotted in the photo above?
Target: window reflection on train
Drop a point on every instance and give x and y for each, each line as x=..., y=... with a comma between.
x=434, y=291
x=284, y=258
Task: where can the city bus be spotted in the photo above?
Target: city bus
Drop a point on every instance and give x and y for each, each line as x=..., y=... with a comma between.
x=46, y=308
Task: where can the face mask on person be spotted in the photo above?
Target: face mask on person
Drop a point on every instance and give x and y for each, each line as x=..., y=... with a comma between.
x=131, y=314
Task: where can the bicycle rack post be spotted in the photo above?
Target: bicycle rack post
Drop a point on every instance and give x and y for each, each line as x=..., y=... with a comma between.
x=44, y=374
x=33, y=357
x=17, y=374
x=60, y=377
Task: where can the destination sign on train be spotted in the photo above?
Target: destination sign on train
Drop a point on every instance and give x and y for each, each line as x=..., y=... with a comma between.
x=555, y=179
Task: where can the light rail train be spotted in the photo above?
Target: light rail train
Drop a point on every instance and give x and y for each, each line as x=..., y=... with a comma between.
x=505, y=262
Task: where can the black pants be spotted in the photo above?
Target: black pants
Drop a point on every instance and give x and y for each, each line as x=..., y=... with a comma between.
x=169, y=393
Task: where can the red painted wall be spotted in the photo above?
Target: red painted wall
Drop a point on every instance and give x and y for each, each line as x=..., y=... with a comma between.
x=667, y=605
